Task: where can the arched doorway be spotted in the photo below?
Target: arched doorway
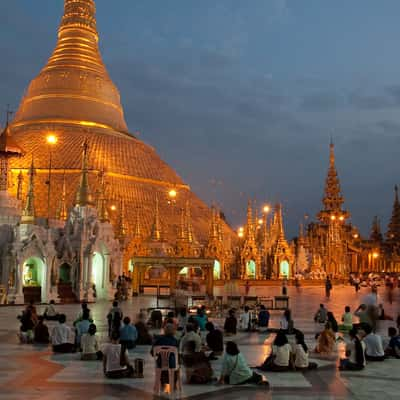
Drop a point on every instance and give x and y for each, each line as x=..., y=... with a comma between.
x=98, y=271
x=65, y=273
x=34, y=279
x=250, y=269
x=217, y=270
x=284, y=270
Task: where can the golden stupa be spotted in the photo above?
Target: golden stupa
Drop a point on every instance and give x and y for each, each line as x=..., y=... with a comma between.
x=74, y=99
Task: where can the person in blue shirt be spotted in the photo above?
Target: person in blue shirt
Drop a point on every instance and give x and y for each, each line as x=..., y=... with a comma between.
x=201, y=318
x=128, y=334
x=82, y=326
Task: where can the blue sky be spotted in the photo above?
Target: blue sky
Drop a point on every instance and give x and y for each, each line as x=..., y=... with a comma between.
x=241, y=97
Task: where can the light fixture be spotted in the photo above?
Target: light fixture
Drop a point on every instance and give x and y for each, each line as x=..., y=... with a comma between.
x=260, y=221
x=333, y=217
x=266, y=209
x=113, y=207
x=172, y=194
x=341, y=218
x=51, y=139
x=375, y=255
x=240, y=234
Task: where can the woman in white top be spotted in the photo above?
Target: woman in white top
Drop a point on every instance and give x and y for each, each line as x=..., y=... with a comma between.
x=279, y=360
x=301, y=354
x=90, y=345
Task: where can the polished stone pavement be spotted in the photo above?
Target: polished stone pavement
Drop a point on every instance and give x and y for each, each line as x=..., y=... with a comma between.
x=28, y=372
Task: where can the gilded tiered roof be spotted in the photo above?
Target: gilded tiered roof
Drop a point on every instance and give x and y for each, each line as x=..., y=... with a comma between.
x=74, y=99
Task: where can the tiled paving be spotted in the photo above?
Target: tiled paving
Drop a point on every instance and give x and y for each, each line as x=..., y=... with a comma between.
x=28, y=372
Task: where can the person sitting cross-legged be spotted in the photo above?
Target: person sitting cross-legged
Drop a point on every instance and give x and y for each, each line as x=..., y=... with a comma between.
x=393, y=348
x=191, y=335
x=347, y=319
x=128, y=334
x=82, y=326
x=326, y=341
x=62, y=337
x=90, y=345
x=279, y=359
x=373, y=345
x=115, y=359
x=235, y=370
x=197, y=365
x=50, y=312
x=41, y=332
x=355, y=352
x=301, y=354
x=214, y=340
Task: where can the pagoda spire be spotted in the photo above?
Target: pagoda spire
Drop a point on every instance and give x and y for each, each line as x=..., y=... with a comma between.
x=393, y=233
x=121, y=227
x=332, y=199
x=281, y=230
x=250, y=222
x=156, y=228
x=188, y=223
x=28, y=213
x=137, y=234
x=376, y=234
x=102, y=202
x=83, y=195
x=62, y=213
x=20, y=182
x=75, y=71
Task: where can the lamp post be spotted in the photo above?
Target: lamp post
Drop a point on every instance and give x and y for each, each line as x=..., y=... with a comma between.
x=51, y=141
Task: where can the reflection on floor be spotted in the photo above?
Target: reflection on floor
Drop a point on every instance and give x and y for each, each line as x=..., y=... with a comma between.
x=28, y=372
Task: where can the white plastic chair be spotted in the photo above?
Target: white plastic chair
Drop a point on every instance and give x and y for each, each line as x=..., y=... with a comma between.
x=163, y=354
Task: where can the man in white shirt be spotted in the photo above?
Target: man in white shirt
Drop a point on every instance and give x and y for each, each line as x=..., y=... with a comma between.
x=190, y=336
x=245, y=319
x=62, y=337
x=115, y=364
x=373, y=346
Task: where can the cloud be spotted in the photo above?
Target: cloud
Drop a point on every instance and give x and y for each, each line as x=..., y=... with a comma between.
x=321, y=101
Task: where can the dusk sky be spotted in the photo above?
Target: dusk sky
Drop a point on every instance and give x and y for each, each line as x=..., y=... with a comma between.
x=242, y=97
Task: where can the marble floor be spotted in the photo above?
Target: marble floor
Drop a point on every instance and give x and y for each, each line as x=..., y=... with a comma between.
x=29, y=372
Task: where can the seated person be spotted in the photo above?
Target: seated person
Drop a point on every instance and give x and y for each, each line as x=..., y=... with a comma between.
x=168, y=339
x=62, y=337
x=143, y=335
x=190, y=336
x=82, y=326
x=214, y=340
x=230, y=326
x=84, y=308
x=321, y=315
x=363, y=315
x=235, y=370
x=26, y=328
x=393, y=348
x=279, y=359
x=326, y=341
x=128, y=334
x=115, y=360
x=90, y=345
x=286, y=322
x=332, y=320
x=347, y=319
x=156, y=319
x=263, y=317
x=197, y=365
x=170, y=318
x=50, y=312
x=41, y=333
x=373, y=346
x=301, y=354
x=201, y=318
x=355, y=351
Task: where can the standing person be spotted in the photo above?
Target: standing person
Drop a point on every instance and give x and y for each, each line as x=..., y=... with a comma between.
x=263, y=317
x=201, y=318
x=144, y=336
x=235, y=370
x=230, y=325
x=62, y=337
x=115, y=359
x=328, y=287
x=247, y=288
x=32, y=308
x=114, y=318
x=356, y=284
x=182, y=318
x=245, y=319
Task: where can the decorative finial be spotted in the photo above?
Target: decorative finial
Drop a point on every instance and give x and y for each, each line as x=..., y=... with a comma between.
x=28, y=213
x=9, y=114
x=138, y=232
x=156, y=228
x=62, y=213
x=121, y=228
x=189, y=227
x=84, y=196
x=20, y=182
x=102, y=202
